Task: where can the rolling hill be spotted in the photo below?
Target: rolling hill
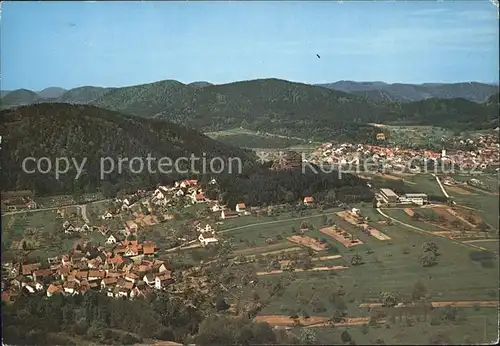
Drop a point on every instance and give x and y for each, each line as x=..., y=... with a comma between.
x=290, y=109
x=81, y=131
x=272, y=105
x=282, y=107
x=51, y=93
x=477, y=92
x=56, y=130
x=83, y=95
x=19, y=97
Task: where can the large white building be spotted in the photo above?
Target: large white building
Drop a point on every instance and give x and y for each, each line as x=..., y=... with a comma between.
x=417, y=198
x=389, y=196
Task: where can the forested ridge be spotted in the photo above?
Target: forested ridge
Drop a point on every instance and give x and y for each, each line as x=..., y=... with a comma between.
x=82, y=131
x=279, y=106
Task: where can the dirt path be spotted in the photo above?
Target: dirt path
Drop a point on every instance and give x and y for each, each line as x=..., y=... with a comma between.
x=274, y=272
x=441, y=186
x=83, y=211
x=481, y=240
x=54, y=208
x=460, y=217
x=457, y=304
x=311, y=322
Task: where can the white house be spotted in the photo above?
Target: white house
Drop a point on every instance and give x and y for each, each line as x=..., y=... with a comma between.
x=212, y=182
x=69, y=287
x=162, y=280
x=228, y=214
x=206, y=229
x=162, y=268
x=240, y=207
x=111, y=240
x=85, y=228
x=216, y=208
x=158, y=195
x=149, y=279
x=179, y=193
x=107, y=216
x=205, y=241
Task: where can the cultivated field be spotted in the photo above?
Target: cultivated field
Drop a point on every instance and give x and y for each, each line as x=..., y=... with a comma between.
x=307, y=241
x=341, y=236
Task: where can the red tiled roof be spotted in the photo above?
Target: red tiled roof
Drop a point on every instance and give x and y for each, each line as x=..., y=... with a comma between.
x=42, y=272
x=53, y=288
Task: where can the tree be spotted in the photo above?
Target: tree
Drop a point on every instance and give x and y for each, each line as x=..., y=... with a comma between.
x=430, y=246
x=307, y=336
x=356, y=260
x=388, y=299
x=419, y=290
x=221, y=304
x=307, y=263
x=428, y=259
x=345, y=337
x=324, y=219
x=108, y=190
x=440, y=339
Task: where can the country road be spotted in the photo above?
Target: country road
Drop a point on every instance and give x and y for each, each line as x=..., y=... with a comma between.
x=419, y=230
x=441, y=186
x=55, y=208
x=83, y=211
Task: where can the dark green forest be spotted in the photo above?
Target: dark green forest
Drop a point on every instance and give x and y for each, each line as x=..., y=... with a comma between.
x=276, y=106
x=94, y=317
x=81, y=131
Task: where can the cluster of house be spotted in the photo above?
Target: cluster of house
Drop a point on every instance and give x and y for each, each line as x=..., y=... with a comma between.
x=15, y=200
x=190, y=189
x=485, y=154
x=387, y=196
x=472, y=182
x=127, y=269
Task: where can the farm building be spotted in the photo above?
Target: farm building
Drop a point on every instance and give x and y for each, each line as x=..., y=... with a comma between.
x=417, y=198
x=389, y=196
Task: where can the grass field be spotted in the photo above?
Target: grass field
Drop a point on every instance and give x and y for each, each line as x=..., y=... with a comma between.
x=250, y=139
x=41, y=231
x=486, y=205
x=479, y=326
x=391, y=266
x=399, y=135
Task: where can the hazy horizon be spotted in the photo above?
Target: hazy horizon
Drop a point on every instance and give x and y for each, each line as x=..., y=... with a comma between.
x=115, y=44
x=240, y=81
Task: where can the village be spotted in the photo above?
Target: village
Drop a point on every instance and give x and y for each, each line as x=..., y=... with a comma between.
x=476, y=154
x=122, y=266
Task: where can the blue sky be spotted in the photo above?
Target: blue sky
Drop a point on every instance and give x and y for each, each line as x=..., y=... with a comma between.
x=72, y=44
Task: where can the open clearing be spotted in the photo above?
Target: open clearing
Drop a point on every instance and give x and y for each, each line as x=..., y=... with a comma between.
x=456, y=189
x=272, y=248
